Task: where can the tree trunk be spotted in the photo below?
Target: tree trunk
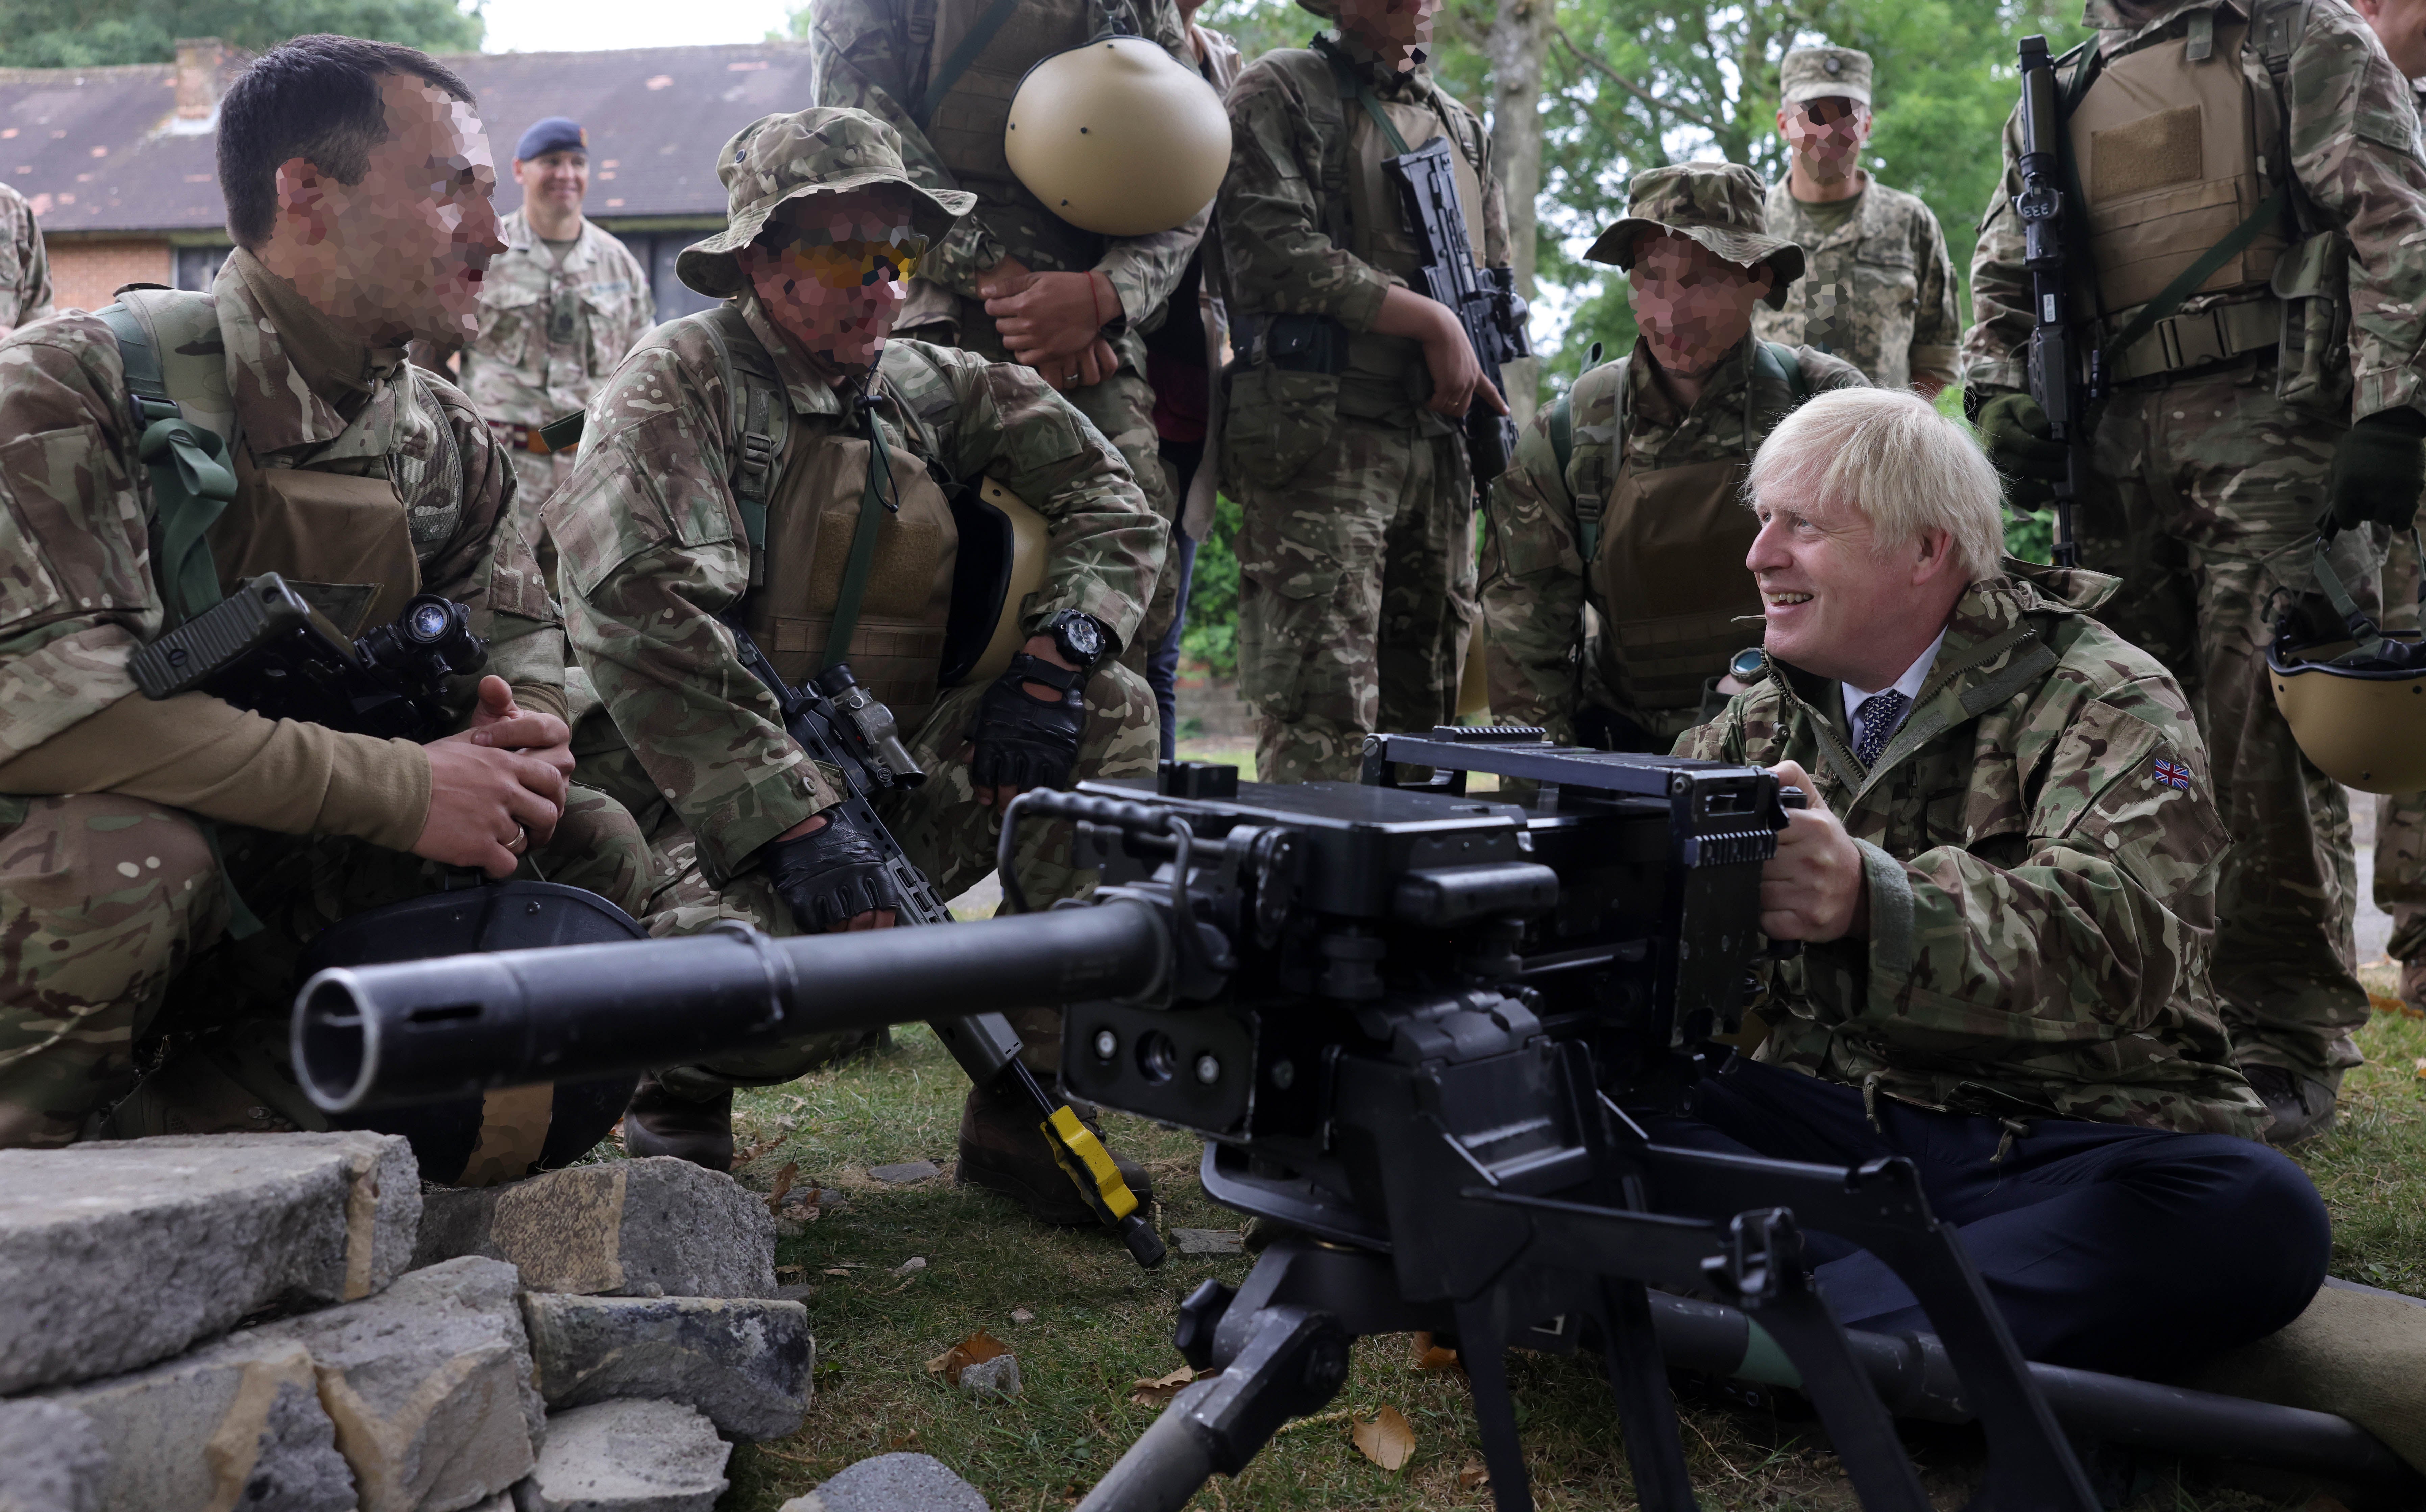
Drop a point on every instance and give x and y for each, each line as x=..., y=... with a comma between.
x=1520, y=39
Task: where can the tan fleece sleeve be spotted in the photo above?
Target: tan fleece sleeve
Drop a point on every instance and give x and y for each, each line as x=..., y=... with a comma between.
x=201, y=754
x=541, y=698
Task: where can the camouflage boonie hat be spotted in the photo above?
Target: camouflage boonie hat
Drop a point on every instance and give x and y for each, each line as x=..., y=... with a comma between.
x=777, y=159
x=1823, y=72
x=1718, y=204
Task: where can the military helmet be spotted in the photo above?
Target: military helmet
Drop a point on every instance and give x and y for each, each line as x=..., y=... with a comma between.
x=1118, y=137
x=2355, y=696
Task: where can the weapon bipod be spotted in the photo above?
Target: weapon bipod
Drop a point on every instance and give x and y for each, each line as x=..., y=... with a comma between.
x=1281, y=1343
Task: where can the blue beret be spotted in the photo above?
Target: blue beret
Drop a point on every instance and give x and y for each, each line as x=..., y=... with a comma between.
x=554, y=134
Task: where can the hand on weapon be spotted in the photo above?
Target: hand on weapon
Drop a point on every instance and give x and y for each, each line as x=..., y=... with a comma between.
x=1457, y=380
x=831, y=876
x=2379, y=468
x=498, y=722
x=487, y=805
x=1028, y=724
x=2015, y=431
x=1814, y=888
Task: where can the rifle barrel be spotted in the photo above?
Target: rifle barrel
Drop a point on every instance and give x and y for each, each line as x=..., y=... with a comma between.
x=415, y=1031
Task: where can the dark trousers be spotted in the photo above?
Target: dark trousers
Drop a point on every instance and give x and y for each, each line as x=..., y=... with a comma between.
x=1179, y=460
x=2135, y=1251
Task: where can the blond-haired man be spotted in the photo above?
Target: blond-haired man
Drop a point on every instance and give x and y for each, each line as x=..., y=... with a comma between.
x=2004, y=882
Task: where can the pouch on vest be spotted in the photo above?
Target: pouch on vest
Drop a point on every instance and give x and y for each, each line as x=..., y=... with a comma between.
x=2313, y=283
x=341, y=541
x=1670, y=571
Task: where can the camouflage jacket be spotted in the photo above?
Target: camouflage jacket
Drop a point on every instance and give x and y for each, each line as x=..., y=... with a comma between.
x=24, y=267
x=1878, y=291
x=76, y=590
x=1277, y=250
x=875, y=56
x=2353, y=133
x=2041, y=843
x=549, y=335
x=1533, y=581
x=650, y=549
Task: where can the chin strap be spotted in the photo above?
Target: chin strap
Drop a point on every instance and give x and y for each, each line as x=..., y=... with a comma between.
x=2370, y=644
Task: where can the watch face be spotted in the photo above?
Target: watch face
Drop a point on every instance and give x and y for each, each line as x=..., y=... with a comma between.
x=1081, y=639
x=1745, y=665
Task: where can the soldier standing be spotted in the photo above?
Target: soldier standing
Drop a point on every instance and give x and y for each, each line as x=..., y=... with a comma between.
x=1627, y=493
x=1880, y=288
x=1342, y=440
x=671, y=531
x=2253, y=200
x=1012, y=281
x=24, y=265
x=559, y=308
x=357, y=476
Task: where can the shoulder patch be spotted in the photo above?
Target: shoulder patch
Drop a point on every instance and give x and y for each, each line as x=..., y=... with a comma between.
x=2171, y=773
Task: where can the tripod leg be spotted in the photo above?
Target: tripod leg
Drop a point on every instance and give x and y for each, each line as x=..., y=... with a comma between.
x=1646, y=1413
x=1484, y=1354
x=1858, y=1422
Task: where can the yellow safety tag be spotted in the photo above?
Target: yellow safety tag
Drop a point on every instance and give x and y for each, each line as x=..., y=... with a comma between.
x=1080, y=1153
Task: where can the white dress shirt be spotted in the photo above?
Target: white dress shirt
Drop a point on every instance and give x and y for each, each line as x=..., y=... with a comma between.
x=1908, y=685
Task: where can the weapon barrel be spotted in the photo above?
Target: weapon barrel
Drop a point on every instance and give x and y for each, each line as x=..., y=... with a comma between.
x=416, y=1030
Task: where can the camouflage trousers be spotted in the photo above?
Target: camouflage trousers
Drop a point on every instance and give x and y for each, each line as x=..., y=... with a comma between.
x=946, y=832
x=113, y=929
x=1122, y=408
x=1356, y=592
x=2204, y=502
x=2400, y=817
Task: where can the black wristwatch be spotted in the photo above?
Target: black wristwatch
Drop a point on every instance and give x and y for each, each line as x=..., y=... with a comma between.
x=1745, y=665
x=1079, y=636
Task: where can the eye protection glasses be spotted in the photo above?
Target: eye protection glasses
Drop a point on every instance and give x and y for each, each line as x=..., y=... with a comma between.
x=850, y=265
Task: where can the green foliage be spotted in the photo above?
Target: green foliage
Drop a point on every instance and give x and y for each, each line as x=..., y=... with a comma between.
x=1212, y=633
x=93, y=33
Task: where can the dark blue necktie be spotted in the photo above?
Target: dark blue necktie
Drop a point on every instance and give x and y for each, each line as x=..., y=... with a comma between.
x=1880, y=715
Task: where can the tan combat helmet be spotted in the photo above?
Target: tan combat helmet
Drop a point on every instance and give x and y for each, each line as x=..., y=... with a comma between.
x=2355, y=699
x=1718, y=204
x=1117, y=138
x=1824, y=73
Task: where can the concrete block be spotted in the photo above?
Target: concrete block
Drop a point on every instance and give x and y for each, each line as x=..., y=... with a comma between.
x=627, y=1456
x=659, y=1226
x=998, y=1377
x=202, y=1230
x=893, y=1483
x=234, y=1424
x=746, y=1364
x=429, y=1386
x=51, y=1458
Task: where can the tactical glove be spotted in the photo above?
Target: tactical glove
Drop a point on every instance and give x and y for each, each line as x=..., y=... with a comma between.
x=2015, y=431
x=1024, y=740
x=2378, y=471
x=831, y=876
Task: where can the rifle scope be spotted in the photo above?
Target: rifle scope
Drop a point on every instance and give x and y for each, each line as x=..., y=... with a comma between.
x=371, y=1035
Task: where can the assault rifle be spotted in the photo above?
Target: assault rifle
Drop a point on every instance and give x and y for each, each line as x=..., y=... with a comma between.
x=1424, y=1031
x=1484, y=300
x=266, y=649
x=2068, y=394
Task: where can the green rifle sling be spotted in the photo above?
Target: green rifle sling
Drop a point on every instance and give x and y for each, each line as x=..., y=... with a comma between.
x=876, y=499
x=192, y=479
x=2273, y=207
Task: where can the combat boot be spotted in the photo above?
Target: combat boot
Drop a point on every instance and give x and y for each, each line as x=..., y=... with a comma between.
x=2302, y=1105
x=2413, y=982
x=1003, y=1150
x=659, y=1122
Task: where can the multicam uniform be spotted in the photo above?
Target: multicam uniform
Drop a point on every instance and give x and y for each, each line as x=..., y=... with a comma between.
x=2212, y=462
x=1667, y=582
x=354, y=468
x=24, y=265
x=1355, y=557
x=884, y=57
x=652, y=548
x=2041, y=849
x=1877, y=290
x=550, y=332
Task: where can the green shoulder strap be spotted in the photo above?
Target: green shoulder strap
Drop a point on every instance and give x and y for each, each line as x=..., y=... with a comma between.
x=1562, y=451
x=187, y=454
x=1778, y=364
x=760, y=423
x=877, y=499
x=957, y=62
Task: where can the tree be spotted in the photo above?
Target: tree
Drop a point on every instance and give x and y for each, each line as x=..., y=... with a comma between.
x=93, y=33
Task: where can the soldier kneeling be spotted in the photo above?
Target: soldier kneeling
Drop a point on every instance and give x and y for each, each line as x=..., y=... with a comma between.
x=734, y=471
x=2005, y=882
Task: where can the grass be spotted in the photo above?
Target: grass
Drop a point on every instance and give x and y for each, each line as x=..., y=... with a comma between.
x=1099, y=1324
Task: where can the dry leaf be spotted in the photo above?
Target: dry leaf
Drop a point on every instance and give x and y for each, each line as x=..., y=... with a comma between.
x=1160, y=1390
x=1388, y=1441
x=974, y=1349
x=2381, y=1003
x=908, y=1439
x=744, y=1157
x=836, y=1270
x=782, y=1184
x=1429, y=1355
x=1473, y=1477
x=2421, y=1068
x=793, y=1270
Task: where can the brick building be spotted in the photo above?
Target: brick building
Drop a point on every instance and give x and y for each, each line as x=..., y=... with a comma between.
x=119, y=166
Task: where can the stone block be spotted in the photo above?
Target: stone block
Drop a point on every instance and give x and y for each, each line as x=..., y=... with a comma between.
x=893, y=1483
x=203, y=1229
x=746, y=1364
x=627, y=1456
x=429, y=1386
x=998, y=1377
x=659, y=1226
x=51, y=1458
x=234, y=1424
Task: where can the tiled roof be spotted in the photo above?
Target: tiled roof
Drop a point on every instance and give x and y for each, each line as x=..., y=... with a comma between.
x=102, y=149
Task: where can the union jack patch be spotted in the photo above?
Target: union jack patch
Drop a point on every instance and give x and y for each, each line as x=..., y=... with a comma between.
x=2172, y=774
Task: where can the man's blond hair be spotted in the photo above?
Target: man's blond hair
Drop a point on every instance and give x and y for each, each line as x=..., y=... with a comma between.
x=1891, y=455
